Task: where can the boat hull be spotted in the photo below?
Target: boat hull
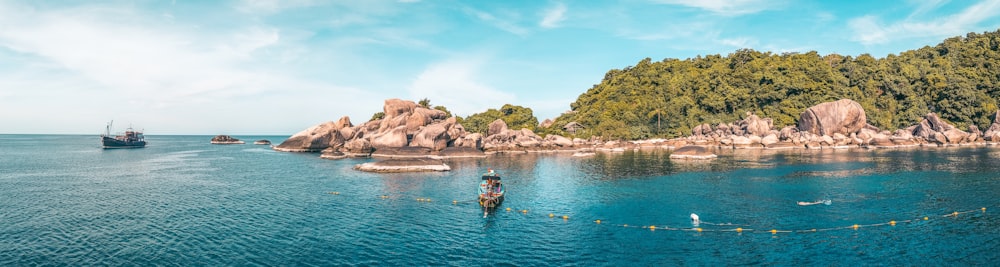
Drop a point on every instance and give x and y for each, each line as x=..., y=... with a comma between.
x=109, y=142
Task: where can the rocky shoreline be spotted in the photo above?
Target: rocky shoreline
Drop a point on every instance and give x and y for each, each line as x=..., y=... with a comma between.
x=411, y=134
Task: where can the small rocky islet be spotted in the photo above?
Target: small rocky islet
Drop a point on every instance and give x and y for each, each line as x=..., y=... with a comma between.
x=413, y=138
x=225, y=140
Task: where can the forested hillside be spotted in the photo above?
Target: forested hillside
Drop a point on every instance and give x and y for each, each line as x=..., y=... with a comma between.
x=959, y=79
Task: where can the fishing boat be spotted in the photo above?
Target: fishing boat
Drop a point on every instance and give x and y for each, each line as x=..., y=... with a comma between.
x=131, y=138
x=491, y=192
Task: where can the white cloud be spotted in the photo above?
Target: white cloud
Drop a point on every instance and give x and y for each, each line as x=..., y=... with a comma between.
x=456, y=85
x=740, y=42
x=109, y=59
x=507, y=23
x=273, y=6
x=869, y=31
x=554, y=16
x=727, y=7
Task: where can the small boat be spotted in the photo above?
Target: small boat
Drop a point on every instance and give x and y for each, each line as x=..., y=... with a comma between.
x=131, y=138
x=491, y=192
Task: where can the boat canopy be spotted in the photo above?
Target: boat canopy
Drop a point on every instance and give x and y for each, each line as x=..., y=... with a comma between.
x=493, y=177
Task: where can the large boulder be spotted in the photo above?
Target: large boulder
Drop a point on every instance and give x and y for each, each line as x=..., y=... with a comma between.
x=395, y=107
x=422, y=117
x=358, y=148
x=842, y=116
x=473, y=140
x=993, y=132
x=496, y=127
x=434, y=136
x=393, y=138
x=559, y=140
x=314, y=138
x=756, y=126
x=933, y=129
x=702, y=129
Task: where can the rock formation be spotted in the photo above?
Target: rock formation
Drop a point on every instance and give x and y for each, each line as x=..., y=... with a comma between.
x=316, y=138
x=410, y=131
x=842, y=116
x=225, y=140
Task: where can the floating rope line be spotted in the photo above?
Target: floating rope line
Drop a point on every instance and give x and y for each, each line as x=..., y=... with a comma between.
x=774, y=231
x=741, y=228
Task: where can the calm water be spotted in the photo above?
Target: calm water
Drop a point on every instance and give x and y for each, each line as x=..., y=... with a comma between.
x=182, y=201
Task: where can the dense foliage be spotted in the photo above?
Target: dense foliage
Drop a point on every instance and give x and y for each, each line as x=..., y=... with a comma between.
x=516, y=117
x=958, y=79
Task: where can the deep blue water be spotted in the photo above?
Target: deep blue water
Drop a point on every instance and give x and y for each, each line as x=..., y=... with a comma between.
x=181, y=201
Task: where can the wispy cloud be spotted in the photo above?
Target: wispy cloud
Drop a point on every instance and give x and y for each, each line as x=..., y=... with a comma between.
x=507, y=23
x=727, y=7
x=870, y=30
x=456, y=84
x=554, y=16
x=139, y=63
x=273, y=6
x=739, y=42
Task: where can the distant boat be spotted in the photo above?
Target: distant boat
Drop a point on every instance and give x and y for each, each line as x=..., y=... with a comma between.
x=131, y=138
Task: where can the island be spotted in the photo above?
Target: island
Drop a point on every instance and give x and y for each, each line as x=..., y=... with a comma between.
x=935, y=96
x=225, y=140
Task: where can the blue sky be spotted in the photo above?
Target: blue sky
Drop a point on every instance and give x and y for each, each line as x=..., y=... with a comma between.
x=278, y=67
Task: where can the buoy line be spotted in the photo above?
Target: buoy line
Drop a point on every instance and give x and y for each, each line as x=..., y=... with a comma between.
x=741, y=228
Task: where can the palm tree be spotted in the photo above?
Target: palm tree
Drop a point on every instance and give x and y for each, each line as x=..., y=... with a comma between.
x=658, y=113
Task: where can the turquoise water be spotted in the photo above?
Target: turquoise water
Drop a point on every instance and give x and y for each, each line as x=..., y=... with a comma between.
x=182, y=201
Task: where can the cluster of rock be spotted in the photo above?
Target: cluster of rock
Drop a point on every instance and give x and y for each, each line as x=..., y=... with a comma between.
x=838, y=124
x=408, y=130
x=418, y=138
x=225, y=140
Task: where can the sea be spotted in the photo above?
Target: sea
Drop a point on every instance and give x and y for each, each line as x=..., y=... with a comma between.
x=180, y=201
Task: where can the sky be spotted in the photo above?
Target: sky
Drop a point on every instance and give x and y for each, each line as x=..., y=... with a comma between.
x=270, y=67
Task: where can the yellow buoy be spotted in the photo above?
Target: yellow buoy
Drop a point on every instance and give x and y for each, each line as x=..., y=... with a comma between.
x=855, y=227
x=814, y=229
x=508, y=209
x=598, y=221
x=565, y=217
x=893, y=223
x=774, y=231
x=925, y=218
x=551, y=215
x=652, y=227
x=984, y=209
x=625, y=225
x=453, y=202
x=524, y=211
x=699, y=229
x=739, y=229
x=336, y=193
x=954, y=214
